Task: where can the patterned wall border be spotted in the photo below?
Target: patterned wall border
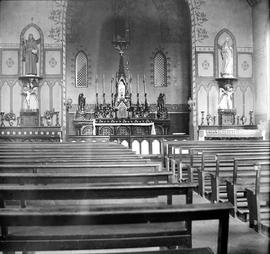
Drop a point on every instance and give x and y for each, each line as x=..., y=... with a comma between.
x=201, y=49
x=7, y=75
x=17, y=45
x=246, y=53
x=197, y=69
x=61, y=63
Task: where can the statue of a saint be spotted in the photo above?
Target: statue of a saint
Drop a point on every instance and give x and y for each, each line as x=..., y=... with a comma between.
x=30, y=54
x=226, y=51
x=31, y=100
x=226, y=97
x=81, y=102
x=161, y=102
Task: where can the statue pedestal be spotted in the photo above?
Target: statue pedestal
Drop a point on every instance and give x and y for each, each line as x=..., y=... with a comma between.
x=226, y=117
x=29, y=118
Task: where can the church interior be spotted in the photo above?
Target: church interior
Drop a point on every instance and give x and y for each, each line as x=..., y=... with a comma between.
x=134, y=126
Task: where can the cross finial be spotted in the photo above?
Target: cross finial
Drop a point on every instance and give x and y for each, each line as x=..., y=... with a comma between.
x=32, y=19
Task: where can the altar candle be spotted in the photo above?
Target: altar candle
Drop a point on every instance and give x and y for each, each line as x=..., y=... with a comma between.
x=96, y=81
x=138, y=83
x=111, y=84
x=103, y=85
x=144, y=83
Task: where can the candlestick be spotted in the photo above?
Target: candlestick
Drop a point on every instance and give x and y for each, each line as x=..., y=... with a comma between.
x=104, y=101
x=103, y=87
x=96, y=81
x=138, y=83
x=130, y=80
x=112, y=84
x=144, y=83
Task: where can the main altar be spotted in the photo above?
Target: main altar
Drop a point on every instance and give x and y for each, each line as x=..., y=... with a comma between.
x=122, y=116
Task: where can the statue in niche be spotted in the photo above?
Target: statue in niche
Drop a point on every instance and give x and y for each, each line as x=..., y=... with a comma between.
x=226, y=51
x=81, y=102
x=226, y=97
x=30, y=54
x=31, y=96
x=161, y=102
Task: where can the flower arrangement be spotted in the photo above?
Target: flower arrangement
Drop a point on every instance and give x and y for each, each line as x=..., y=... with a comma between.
x=48, y=114
x=10, y=117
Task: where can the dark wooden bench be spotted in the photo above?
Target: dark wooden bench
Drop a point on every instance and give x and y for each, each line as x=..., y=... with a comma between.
x=225, y=171
x=46, y=178
x=108, y=228
x=213, y=164
x=98, y=167
x=184, y=162
x=71, y=191
x=258, y=204
x=183, y=147
x=243, y=177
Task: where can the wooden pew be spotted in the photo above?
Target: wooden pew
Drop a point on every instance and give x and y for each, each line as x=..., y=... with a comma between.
x=243, y=177
x=183, y=146
x=135, y=227
x=258, y=204
x=184, y=164
x=46, y=178
x=214, y=163
x=225, y=170
x=71, y=191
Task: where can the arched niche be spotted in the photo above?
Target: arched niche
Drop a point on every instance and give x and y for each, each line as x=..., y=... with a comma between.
x=135, y=146
x=145, y=147
x=17, y=98
x=155, y=147
x=202, y=103
x=220, y=39
x=44, y=99
x=38, y=36
x=124, y=143
x=213, y=100
x=238, y=101
x=5, y=98
x=249, y=101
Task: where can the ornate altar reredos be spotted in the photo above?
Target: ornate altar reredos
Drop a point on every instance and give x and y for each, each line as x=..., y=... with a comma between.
x=121, y=116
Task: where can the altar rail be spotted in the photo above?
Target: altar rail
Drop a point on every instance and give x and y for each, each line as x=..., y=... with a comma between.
x=30, y=134
x=147, y=145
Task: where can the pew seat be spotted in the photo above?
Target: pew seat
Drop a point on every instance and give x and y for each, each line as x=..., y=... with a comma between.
x=143, y=226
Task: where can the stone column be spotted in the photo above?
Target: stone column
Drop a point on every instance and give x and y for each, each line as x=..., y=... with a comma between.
x=261, y=60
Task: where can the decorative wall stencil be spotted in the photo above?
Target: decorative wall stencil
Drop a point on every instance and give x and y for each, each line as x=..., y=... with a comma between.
x=10, y=62
x=205, y=66
x=244, y=65
x=56, y=16
x=201, y=18
x=53, y=62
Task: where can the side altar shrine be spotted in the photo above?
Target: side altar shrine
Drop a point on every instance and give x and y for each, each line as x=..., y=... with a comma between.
x=30, y=125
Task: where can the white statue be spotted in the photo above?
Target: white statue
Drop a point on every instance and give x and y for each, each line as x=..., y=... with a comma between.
x=226, y=97
x=31, y=100
x=226, y=51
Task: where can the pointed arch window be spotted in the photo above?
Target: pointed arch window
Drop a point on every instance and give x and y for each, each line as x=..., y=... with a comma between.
x=160, y=69
x=81, y=69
